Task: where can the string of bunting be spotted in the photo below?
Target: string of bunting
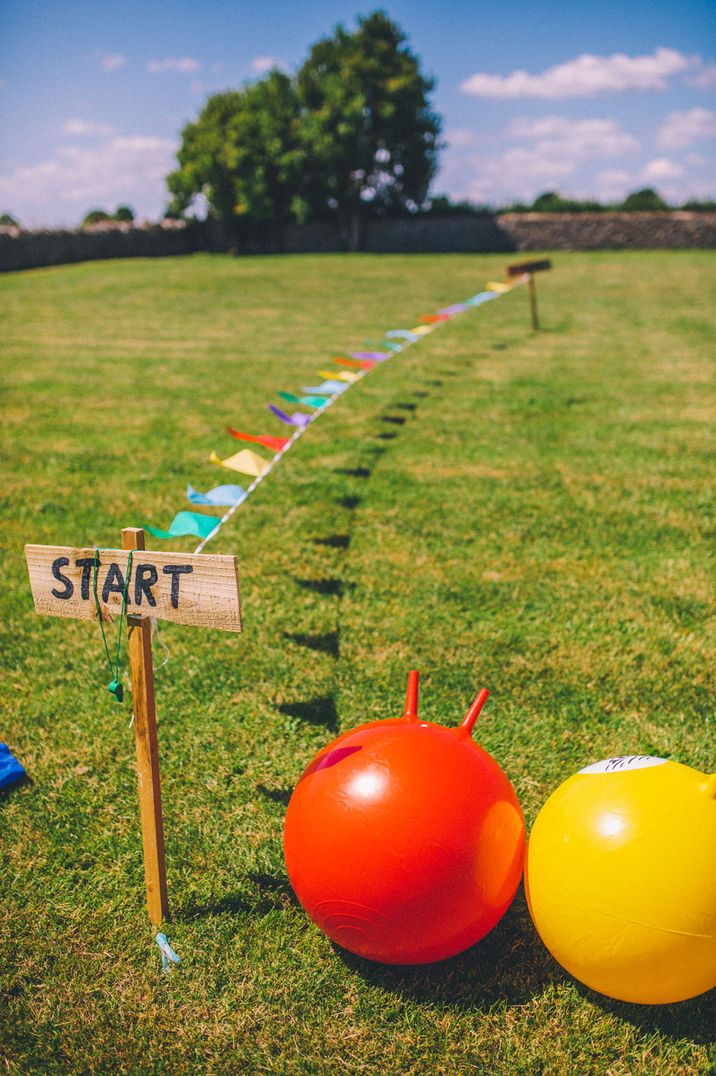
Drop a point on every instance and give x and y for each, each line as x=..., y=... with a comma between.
x=347, y=371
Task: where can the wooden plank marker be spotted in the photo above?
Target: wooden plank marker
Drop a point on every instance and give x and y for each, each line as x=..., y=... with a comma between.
x=529, y=269
x=196, y=589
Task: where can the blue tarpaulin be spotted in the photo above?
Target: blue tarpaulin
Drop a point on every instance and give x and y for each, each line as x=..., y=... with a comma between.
x=10, y=769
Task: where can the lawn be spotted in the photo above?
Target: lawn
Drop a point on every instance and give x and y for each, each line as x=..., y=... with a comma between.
x=530, y=512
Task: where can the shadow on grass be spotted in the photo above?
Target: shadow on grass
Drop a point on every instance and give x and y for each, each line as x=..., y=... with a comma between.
x=21, y=782
x=327, y=587
x=351, y=503
x=319, y=711
x=396, y=420
x=335, y=541
x=509, y=965
x=355, y=472
x=328, y=643
x=271, y=893
x=276, y=795
x=694, y=1019
x=387, y=436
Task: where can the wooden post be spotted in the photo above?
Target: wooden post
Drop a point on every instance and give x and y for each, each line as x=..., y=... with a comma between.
x=529, y=269
x=533, y=300
x=145, y=738
x=185, y=588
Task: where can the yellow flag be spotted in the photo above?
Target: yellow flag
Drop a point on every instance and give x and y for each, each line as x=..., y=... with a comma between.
x=339, y=377
x=498, y=286
x=421, y=330
x=246, y=462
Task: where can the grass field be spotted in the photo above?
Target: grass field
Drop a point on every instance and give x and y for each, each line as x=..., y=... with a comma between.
x=528, y=512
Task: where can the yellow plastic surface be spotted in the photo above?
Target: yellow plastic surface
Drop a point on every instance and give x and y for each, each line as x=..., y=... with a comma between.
x=620, y=878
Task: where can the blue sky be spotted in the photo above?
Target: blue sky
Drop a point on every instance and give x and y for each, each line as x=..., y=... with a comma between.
x=591, y=99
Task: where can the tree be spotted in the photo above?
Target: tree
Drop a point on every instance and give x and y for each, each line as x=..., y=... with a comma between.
x=553, y=202
x=8, y=221
x=645, y=200
x=124, y=214
x=95, y=216
x=245, y=154
x=352, y=133
x=370, y=133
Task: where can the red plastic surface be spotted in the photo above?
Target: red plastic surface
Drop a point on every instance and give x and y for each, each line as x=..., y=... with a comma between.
x=404, y=840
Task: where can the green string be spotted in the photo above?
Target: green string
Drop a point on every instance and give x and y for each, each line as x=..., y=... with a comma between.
x=115, y=685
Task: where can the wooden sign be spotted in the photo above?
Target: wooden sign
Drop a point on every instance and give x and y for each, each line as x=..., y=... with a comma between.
x=528, y=267
x=188, y=588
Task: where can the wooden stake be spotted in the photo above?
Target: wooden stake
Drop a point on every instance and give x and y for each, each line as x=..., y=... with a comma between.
x=533, y=300
x=145, y=738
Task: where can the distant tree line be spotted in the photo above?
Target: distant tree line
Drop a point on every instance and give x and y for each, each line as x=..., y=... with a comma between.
x=646, y=200
x=123, y=214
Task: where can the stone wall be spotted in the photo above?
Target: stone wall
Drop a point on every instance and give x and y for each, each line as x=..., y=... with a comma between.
x=609, y=231
x=464, y=233
x=30, y=250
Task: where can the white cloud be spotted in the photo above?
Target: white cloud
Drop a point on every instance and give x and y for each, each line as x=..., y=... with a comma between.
x=681, y=129
x=613, y=184
x=261, y=64
x=660, y=170
x=59, y=190
x=113, y=61
x=573, y=139
x=585, y=76
x=704, y=77
x=184, y=65
x=81, y=128
x=545, y=154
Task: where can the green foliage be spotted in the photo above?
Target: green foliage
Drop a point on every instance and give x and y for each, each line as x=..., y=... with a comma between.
x=124, y=214
x=553, y=202
x=696, y=206
x=244, y=154
x=8, y=221
x=367, y=120
x=441, y=205
x=96, y=216
x=644, y=200
x=353, y=131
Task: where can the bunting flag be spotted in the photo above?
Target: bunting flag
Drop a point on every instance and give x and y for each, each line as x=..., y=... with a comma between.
x=296, y=419
x=246, y=462
x=317, y=397
x=357, y=364
x=276, y=443
x=350, y=378
x=331, y=387
x=402, y=334
x=219, y=496
x=186, y=523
